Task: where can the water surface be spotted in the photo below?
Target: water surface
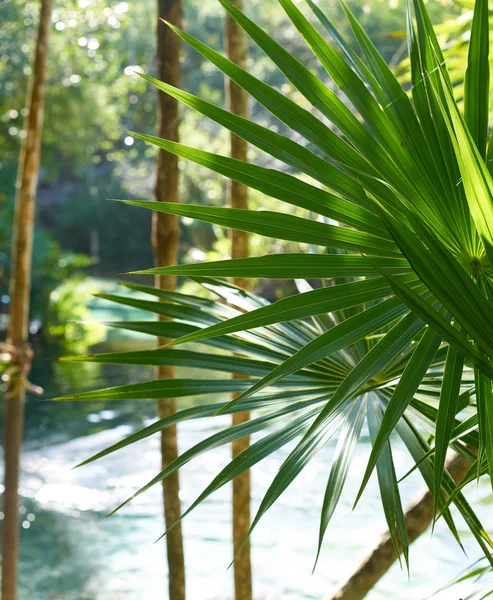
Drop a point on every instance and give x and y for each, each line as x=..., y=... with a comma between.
x=71, y=551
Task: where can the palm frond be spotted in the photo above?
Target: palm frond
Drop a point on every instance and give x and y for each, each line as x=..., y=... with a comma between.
x=402, y=334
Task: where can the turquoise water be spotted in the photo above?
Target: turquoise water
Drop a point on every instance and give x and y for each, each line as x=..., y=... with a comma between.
x=71, y=551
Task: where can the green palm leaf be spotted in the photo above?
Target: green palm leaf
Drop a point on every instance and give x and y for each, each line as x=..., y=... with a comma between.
x=394, y=196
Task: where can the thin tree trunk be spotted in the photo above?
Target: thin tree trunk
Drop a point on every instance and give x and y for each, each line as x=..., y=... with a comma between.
x=20, y=288
x=237, y=102
x=166, y=236
x=418, y=516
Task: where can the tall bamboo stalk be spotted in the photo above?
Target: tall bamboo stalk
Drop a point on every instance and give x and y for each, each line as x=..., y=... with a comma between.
x=237, y=102
x=20, y=288
x=166, y=237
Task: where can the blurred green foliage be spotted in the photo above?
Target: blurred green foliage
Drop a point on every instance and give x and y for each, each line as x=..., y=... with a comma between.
x=54, y=272
x=94, y=95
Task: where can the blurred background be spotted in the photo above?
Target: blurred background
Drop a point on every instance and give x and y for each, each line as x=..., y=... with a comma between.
x=84, y=244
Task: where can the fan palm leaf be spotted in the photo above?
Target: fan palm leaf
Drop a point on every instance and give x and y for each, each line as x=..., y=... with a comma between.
x=401, y=335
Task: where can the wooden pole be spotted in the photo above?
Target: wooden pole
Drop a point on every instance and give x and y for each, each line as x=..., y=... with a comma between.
x=237, y=102
x=20, y=289
x=165, y=239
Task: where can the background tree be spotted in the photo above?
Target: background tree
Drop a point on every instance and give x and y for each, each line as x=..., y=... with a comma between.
x=20, y=288
x=237, y=103
x=166, y=238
